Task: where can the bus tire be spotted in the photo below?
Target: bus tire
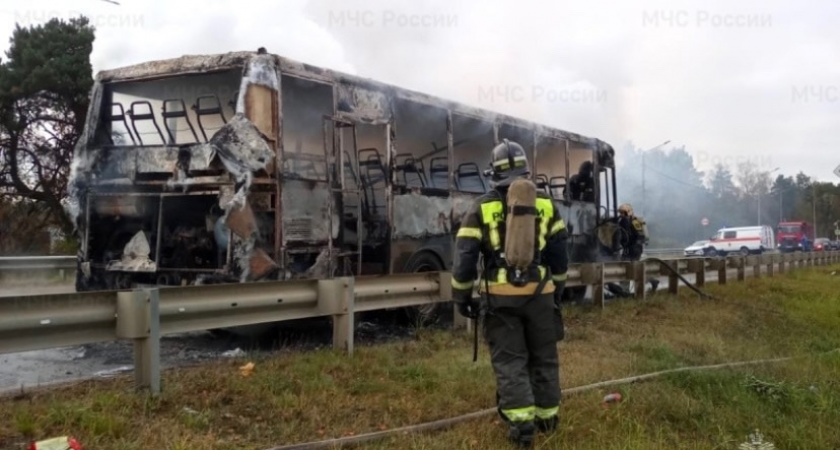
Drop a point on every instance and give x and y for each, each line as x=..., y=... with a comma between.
x=574, y=294
x=425, y=261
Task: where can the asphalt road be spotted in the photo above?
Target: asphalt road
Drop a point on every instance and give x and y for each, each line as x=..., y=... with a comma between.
x=34, y=368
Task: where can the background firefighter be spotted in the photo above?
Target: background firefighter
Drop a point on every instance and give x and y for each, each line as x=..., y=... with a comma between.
x=636, y=237
x=523, y=320
x=582, y=184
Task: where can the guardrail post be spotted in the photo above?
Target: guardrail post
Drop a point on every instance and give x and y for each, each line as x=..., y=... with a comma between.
x=741, y=266
x=756, y=265
x=771, y=265
x=593, y=275
x=138, y=319
x=721, y=266
x=782, y=263
x=338, y=296
x=698, y=268
x=639, y=278
x=673, y=280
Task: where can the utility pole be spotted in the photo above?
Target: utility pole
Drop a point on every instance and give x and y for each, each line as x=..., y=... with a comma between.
x=781, y=216
x=814, y=186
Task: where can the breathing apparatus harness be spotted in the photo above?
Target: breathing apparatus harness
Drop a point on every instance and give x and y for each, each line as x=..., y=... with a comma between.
x=515, y=276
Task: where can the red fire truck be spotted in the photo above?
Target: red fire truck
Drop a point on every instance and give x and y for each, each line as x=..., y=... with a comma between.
x=790, y=235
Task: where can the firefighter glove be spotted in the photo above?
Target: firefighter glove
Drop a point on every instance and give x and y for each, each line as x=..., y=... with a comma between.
x=467, y=307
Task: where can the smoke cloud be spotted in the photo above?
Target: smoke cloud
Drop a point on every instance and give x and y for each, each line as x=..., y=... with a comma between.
x=754, y=79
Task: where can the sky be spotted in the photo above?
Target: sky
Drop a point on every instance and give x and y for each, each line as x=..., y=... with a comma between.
x=752, y=80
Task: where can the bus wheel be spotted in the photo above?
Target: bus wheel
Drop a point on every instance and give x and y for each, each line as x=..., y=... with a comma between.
x=429, y=313
x=574, y=294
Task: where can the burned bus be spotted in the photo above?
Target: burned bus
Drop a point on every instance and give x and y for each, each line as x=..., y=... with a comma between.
x=248, y=166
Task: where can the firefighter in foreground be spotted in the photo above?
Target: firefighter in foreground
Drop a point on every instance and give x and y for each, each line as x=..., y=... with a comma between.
x=522, y=240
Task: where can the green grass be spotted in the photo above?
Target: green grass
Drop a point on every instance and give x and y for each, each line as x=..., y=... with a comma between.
x=299, y=397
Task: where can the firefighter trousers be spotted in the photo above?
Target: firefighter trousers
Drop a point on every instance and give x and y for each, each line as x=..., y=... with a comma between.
x=520, y=333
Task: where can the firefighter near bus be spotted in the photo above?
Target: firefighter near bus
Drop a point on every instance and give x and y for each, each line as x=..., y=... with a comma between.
x=519, y=234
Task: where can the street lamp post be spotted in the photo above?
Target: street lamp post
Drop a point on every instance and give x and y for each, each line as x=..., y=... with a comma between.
x=814, y=187
x=644, y=193
x=781, y=211
x=758, y=213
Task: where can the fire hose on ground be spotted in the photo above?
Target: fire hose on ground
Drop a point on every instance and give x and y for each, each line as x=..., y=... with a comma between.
x=619, y=291
x=447, y=423
x=676, y=272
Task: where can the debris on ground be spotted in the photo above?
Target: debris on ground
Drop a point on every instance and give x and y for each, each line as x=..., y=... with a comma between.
x=247, y=369
x=614, y=397
x=233, y=353
x=59, y=443
x=113, y=372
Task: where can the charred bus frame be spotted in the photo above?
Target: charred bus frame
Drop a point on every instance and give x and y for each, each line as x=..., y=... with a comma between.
x=248, y=166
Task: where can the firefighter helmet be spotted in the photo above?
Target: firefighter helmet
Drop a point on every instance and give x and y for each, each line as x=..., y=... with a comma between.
x=508, y=162
x=586, y=168
x=625, y=209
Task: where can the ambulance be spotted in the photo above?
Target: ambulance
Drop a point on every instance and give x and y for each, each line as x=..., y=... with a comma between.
x=741, y=240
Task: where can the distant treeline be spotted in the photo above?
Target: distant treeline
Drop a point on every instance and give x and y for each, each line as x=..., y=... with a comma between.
x=677, y=196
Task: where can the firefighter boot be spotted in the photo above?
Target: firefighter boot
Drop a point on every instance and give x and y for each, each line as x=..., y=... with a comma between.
x=521, y=434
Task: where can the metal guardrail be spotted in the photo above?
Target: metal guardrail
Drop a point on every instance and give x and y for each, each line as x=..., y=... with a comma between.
x=17, y=263
x=68, y=262
x=47, y=321
x=664, y=251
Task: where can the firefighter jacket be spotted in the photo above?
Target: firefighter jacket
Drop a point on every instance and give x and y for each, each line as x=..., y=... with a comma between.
x=482, y=233
x=636, y=238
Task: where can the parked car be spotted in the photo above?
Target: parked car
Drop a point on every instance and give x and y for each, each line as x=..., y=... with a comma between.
x=822, y=244
x=697, y=249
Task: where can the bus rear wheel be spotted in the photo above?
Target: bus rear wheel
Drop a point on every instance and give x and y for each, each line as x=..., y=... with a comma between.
x=574, y=294
x=428, y=313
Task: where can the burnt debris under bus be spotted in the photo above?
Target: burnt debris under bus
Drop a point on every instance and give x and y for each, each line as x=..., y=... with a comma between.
x=248, y=166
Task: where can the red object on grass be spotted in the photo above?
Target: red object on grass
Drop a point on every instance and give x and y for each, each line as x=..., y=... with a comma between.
x=615, y=397
x=59, y=443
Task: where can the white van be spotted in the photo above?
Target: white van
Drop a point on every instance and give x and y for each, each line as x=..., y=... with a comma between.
x=742, y=240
